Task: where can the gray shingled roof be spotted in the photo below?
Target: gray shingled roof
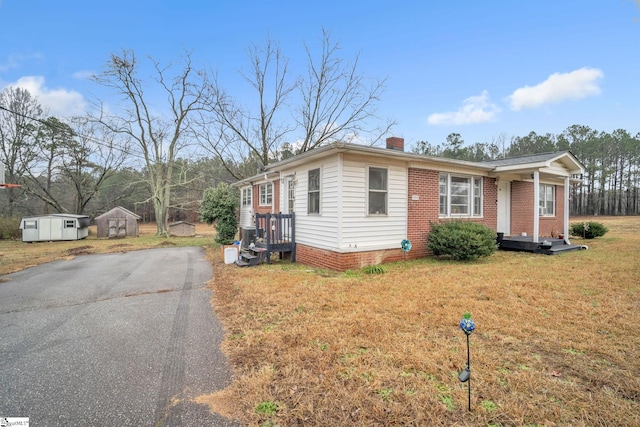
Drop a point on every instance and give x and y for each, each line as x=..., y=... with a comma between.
x=536, y=158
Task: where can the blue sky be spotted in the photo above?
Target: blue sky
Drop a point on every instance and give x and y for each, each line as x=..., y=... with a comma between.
x=478, y=68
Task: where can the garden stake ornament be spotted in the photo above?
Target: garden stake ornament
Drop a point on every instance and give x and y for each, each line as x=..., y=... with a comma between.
x=467, y=326
x=406, y=247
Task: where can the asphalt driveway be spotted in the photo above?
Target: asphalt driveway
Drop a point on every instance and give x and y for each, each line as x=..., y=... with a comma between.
x=124, y=339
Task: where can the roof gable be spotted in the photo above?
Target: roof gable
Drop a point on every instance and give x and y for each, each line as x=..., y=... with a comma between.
x=119, y=208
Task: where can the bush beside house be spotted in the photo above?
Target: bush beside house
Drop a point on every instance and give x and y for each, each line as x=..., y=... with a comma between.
x=461, y=240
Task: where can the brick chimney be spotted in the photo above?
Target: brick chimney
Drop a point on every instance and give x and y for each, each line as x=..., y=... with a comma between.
x=395, y=143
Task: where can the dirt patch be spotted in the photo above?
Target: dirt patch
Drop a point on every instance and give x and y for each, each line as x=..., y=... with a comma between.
x=80, y=250
x=120, y=245
x=166, y=243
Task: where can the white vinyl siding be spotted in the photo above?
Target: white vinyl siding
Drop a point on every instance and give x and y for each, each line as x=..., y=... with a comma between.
x=361, y=231
x=460, y=196
x=547, y=201
x=313, y=229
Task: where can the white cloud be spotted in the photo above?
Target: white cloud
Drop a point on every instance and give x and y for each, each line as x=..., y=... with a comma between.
x=83, y=75
x=16, y=59
x=474, y=110
x=557, y=88
x=57, y=102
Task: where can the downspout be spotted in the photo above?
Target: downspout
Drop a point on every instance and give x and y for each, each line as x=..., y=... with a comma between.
x=536, y=205
x=566, y=210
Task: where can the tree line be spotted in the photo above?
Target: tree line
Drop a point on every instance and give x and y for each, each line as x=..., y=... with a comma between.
x=179, y=113
x=181, y=131
x=610, y=184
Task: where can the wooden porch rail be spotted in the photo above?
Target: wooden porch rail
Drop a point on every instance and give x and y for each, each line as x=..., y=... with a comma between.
x=279, y=233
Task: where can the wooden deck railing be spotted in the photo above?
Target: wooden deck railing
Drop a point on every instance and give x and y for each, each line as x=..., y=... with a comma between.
x=276, y=233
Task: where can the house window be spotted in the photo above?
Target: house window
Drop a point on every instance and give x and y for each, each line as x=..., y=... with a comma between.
x=547, y=201
x=444, y=195
x=246, y=196
x=377, y=191
x=460, y=196
x=291, y=192
x=266, y=194
x=313, y=191
x=30, y=224
x=70, y=223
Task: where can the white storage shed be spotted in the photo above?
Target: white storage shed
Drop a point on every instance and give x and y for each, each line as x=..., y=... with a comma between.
x=46, y=228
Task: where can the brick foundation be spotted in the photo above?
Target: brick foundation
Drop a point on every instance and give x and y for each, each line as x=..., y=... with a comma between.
x=323, y=258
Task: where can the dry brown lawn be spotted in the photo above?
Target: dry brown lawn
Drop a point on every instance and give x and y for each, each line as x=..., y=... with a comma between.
x=557, y=340
x=17, y=255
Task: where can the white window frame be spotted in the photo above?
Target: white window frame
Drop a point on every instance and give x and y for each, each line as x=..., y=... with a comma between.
x=474, y=197
x=266, y=194
x=314, y=192
x=247, y=196
x=378, y=191
x=291, y=195
x=545, y=199
x=30, y=224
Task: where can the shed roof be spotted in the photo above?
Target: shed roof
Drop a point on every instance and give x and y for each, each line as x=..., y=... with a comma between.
x=125, y=210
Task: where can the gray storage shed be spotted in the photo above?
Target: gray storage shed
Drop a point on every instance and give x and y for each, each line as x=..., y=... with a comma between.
x=47, y=228
x=116, y=223
x=182, y=229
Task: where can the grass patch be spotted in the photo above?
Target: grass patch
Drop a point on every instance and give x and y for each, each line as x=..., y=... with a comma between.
x=16, y=255
x=556, y=339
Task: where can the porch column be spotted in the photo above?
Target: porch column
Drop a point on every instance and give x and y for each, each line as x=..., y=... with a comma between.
x=536, y=205
x=566, y=210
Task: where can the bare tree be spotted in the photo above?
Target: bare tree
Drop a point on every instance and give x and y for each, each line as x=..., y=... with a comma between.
x=18, y=133
x=90, y=159
x=241, y=133
x=160, y=136
x=333, y=102
x=338, y=103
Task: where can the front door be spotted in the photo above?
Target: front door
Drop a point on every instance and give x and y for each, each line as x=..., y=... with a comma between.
x=504, y=208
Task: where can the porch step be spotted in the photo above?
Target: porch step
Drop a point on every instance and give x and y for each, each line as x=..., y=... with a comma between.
x=547, y=246
x=251, y=256
x=558, y=249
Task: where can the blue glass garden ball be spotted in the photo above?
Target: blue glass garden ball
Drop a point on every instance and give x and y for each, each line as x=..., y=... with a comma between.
x=467, y=325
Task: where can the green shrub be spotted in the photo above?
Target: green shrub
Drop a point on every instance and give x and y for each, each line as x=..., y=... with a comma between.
x=219, y=205
x=461, y=240
x=9, y=228
x=588, y=229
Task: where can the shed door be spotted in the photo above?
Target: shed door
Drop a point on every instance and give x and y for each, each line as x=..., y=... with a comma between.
x=117, y=227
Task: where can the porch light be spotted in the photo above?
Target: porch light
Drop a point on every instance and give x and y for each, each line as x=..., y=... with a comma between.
x=467, y=326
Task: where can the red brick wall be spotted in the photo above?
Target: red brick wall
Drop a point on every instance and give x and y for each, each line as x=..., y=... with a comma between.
x=522, y=210
x=422, y=212
x=275, y=201
x=323, y=258
x=424, y=184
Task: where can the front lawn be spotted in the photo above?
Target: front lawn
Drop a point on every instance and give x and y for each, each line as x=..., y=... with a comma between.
x=556, y=342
